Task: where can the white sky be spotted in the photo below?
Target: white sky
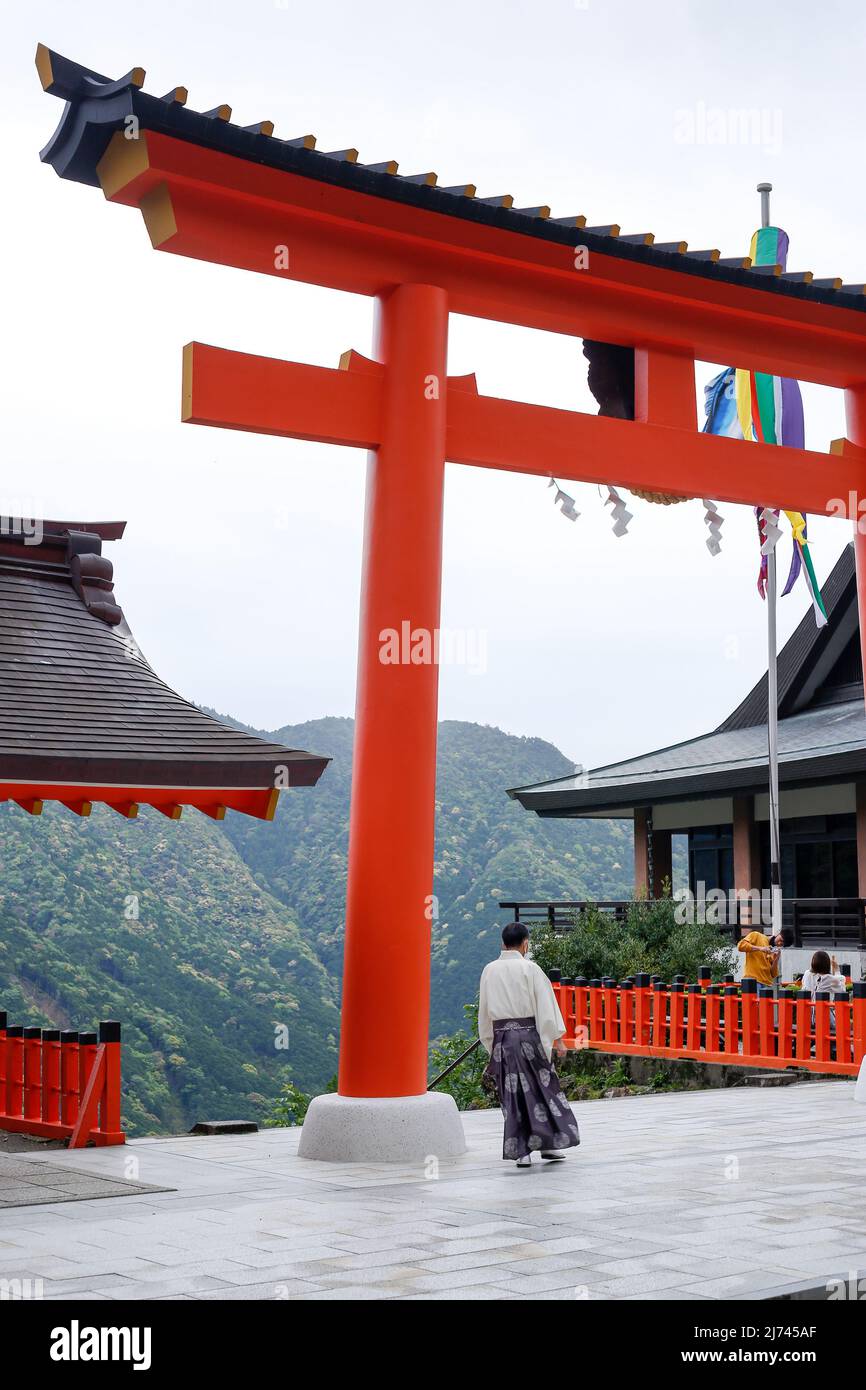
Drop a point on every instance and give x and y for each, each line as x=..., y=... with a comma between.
x=240, y=569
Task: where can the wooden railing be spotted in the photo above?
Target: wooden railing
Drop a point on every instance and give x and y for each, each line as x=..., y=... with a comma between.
x=814, y=921
x=61, y=1085
x=738, y=1025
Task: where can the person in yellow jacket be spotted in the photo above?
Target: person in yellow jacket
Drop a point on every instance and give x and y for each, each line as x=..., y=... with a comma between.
x=763, y=954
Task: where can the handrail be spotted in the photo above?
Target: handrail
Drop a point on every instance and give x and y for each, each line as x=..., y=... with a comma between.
x=448, y=1070
x=837, y=921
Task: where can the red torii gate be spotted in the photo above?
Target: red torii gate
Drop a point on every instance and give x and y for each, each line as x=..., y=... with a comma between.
x=238, y=197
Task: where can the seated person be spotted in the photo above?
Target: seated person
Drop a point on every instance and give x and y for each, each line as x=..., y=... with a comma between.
x=824, y=976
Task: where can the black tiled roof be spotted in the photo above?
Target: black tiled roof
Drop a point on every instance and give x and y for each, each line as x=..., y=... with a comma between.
x=79, y=702
x=824, y=742
x=97, y=106
x=803, y=647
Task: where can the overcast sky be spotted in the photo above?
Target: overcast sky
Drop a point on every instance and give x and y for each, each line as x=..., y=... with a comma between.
x=240, y=569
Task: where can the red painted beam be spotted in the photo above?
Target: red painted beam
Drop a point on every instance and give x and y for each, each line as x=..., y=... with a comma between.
x=259, y=802
x=525, y=438
x=239, y=391
x=216, y=207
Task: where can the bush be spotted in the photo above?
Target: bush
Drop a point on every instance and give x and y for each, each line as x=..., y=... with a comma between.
x=648, y=941
x=291, y=1105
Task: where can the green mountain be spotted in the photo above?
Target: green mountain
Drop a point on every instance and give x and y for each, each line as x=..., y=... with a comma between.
x=487, y=849
x=209, y=940
x=161, y=925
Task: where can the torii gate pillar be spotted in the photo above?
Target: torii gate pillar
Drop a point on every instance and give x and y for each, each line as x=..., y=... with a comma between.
x=383, y=1109
x=855, y=417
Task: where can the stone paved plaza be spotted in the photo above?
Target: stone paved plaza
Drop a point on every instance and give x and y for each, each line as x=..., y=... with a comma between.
x=702, y=1195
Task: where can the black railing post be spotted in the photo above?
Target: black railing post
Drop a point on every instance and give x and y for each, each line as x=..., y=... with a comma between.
x=448, y=1070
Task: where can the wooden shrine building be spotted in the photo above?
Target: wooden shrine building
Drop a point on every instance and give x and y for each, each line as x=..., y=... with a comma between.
x=713, y=789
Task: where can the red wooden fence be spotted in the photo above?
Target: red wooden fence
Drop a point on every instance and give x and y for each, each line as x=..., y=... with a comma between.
x=736, y=1024
x=61, y=1085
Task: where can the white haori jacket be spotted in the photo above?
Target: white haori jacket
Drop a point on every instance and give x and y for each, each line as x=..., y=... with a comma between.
x=514, y=987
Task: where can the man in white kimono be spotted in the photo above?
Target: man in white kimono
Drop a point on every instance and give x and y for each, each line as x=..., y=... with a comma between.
x=520, y=1025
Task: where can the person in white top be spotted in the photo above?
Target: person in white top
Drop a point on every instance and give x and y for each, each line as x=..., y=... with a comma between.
x=823, y=977
x=520, y=1025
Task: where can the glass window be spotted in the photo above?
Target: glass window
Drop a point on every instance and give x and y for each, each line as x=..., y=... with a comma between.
x=726, y=869
x=845, y=869
x=704, y=868
x=814, y=870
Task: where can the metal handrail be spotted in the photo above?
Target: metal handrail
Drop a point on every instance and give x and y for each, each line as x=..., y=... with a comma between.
x=840, y=920
x=448, y=1070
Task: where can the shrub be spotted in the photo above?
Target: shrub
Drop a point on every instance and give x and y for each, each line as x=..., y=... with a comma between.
x=649, y=941
x=465, y=1082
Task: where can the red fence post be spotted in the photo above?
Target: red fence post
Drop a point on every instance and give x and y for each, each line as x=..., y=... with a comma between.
x=51, y=1076
x=69, y=1077
x=713, y=1042
x=566, y=1006
x=14, y=1072
x=803, y=1011
x=822, y=1026
x=677, y=1002
x=660, y=1013
x=555, y=978
x=732, y=1014
x=32, y=1047
x=842, y=1012
x=110, y=1131
x=86, y=1059
x=581, y=1018
x=642, y=1010
x=858, y=1020
x=611, y=1022
x=751, y=1039
x=766, y=1032
x=2, y=1062
x=626, y=1012
x=693, y=1020
x=596, y=1015
x=786, y=1023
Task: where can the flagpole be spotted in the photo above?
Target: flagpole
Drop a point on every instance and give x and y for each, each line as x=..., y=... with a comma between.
x=773, y=746
x=765, y=190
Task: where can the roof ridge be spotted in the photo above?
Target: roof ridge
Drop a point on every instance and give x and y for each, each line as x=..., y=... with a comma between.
x=79, y=143
x=797, y=651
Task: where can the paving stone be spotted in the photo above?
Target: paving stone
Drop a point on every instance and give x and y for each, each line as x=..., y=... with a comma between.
x=646, y=1211
x=277, y=1291
x=737, y=1285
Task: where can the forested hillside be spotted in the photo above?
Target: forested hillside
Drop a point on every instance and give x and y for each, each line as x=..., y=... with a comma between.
x=161, y=925
x=204, y=939
x=487, y=848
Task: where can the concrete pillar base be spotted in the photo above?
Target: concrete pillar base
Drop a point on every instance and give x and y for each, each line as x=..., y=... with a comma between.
x=398, y=1129
x=860, y=1087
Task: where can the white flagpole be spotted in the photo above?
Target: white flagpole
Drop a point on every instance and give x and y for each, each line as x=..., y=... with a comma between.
x=773, y=746
x=765, y=190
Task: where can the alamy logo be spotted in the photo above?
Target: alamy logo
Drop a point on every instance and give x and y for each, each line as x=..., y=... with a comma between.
x=77, y=1343
x=13, y=1290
